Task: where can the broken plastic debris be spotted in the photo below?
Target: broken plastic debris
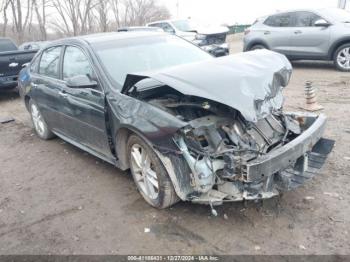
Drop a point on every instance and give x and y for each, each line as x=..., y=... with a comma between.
x=331, y=194
x=147, y=230
x=309, y=198
x=302, y=247
x=5, y=120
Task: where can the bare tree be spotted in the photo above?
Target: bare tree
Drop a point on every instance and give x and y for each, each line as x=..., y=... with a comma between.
x=140, y=12
x=40, y=7
x=20, y=19
x=73, y=16
x=116, y=6
x=102, y=9
x=4, y=4
x=137, y=12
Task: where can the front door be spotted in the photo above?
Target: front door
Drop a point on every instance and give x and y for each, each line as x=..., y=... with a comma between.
x=83, y=113
x=308, y=40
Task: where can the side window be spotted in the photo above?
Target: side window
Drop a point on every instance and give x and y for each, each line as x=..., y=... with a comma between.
x=34, y=64
x=280, y=20
x=75, y=63
x=306, y=19
x=49, y=63
x=154, y=25
x=167, y=28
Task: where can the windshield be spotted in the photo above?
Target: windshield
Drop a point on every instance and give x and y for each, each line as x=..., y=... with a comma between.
x=183, y=25
x=126, y=56
x=338, y=14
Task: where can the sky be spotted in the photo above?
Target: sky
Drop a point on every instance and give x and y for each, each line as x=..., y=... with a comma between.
x=237, y=11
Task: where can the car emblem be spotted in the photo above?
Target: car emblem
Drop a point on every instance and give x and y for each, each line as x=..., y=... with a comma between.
x=13, y=64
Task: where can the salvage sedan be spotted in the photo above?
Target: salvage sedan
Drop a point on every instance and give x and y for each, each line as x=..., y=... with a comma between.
x=187, y=125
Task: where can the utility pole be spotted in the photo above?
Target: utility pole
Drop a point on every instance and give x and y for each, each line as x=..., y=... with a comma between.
x=342, y=4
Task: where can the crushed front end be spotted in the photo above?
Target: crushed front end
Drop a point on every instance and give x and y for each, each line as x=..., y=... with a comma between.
x=235, y=141
x=233, y=160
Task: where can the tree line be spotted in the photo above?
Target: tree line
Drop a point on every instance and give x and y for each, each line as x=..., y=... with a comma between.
x=32, y=20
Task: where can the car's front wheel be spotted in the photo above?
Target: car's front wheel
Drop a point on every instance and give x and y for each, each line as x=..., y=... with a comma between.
x=39, y=123
x=342, y=58
x=150, y=176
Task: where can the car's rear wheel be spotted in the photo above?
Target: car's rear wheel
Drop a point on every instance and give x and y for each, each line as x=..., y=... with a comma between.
x=39, y=123
x=257, y=47
x=150, y=176
x=342, y=58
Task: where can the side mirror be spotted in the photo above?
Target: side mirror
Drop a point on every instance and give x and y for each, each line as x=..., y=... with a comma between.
x=322, y=23
x=81, y=81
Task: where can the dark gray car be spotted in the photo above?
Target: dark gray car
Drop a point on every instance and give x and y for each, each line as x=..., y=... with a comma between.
x=187, y=125
x=322, y=34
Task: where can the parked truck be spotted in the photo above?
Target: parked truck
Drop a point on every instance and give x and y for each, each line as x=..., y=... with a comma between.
x=12, y=61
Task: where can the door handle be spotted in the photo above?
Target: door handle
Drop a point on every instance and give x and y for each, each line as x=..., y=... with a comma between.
x=297, y=32
x=63, y=93
x=267, y=32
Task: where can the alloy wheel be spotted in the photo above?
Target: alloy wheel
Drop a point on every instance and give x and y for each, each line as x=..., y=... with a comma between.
x=38, y=120
x=343, y=58
x=144, y=172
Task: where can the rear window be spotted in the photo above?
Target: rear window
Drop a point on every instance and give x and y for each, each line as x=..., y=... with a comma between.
x=7, y=45
x=280, y=20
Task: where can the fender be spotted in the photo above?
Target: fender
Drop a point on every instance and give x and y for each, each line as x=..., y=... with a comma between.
x=257, y=42
x=343, y=40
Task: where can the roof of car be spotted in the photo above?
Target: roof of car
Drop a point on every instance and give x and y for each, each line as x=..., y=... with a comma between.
x=300, y=10
x=166, y=21
x=111, y=36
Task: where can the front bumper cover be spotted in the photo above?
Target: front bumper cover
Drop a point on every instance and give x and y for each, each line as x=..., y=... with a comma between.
x=284, y=157
x=280, y=170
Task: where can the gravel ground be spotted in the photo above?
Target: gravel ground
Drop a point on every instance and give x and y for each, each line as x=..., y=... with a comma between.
x=56, y=199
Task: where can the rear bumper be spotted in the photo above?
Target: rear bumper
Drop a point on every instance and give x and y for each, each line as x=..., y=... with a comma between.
x=8, y=82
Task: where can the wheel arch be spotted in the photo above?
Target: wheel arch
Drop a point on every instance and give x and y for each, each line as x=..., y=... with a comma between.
x=336, y=45
x=177, y=178
x=26, y=102
x=257, y=42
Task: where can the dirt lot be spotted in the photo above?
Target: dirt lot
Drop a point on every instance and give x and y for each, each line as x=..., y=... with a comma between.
x=56, y=199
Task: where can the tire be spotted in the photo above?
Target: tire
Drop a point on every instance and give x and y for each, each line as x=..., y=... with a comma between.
x=40, y=126
x=149, y=173
x=257, y=47
x=342, y=53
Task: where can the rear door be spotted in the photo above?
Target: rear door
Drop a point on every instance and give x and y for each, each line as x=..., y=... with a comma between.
x=278, y=31
x=308, y=40
x=46, y=86
x=84, y=108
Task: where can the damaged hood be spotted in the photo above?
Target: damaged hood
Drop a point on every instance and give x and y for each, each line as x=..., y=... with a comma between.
x=250, y=82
